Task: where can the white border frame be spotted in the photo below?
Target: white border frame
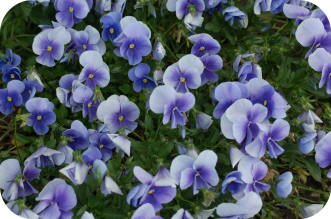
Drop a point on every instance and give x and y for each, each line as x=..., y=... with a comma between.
x=6, y=5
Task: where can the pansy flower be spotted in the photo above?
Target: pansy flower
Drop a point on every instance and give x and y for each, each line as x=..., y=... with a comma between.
x=226, y=94
x=84, y=95
x=10, y=60
x=71, y=11
x=320, y=61
x=134, y=41
x=212, y=64
x=118, y=112
x=204, y=44
x=95, y=71
x=182, y=214
x=87, y=39
x=246, y=207
x=157, y=190
x=49, y=45
x=56, y=200
x=233, y=13
x=260, y=91
x=243, y=121
x=13, y=182
x=139, y=76
x=198, y=172
x=64, y=92
x=185, y=74
x=11, y=73
x=173, y=105
x=78, y=135
x=284, y=185
x=45, y=157
x=323, y=152
x=41, y=114
x=111, y=26
x=11, y=96
x=311, y=33
x=277, y=131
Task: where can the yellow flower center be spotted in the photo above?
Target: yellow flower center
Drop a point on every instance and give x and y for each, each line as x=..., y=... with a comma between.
x=318, y=45
x=121, y=118
x=202, y=48
x=101, y=146
x=84, y=47
x=265, y=103
x=145, y=80
x=182, y=80
x=90, y=76
x=111, y=30
x=39, y=118
x=131, y=46
x=12, y=76
x=150, y=192
x=71, y=9
x=330, y=75
x=49, y=48
x=89, y=105
x=9, y=99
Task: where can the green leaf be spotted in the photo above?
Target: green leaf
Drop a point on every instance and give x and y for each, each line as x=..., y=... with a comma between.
x=313, y=169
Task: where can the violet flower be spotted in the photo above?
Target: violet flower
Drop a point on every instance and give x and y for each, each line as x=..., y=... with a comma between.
x=111, y=26
x=117, y=112
x=173, y=105
x=226, y=94
x=198, y=172
x=260, y=91
x=95, y=71
x=49, y=45
x=252, y=172
x=323, y=152
x=186, y=7
x=13, y=182
x=84, y=95
x=10, y=60
x=11, y=73
x=56, y=200
x=87, y=39
x=31, y=88
x=157, y=190
x=277, y=131
x=145, y=211
x=103, y=142
x=78, y=135
x=45, y=157
x=204, y=44
x=185, y=74
x=11, y=96
x=76, y=171
x=246, y=207
x=320, y=61
x=309, y=120
x=71, y=11
x=284, y=186
x=212, y=64
x=243, y=121
x=64, y=94
x=139, y=76
x=233, y=13
x=311, y=33
x=41, y=114
x=134, y=41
